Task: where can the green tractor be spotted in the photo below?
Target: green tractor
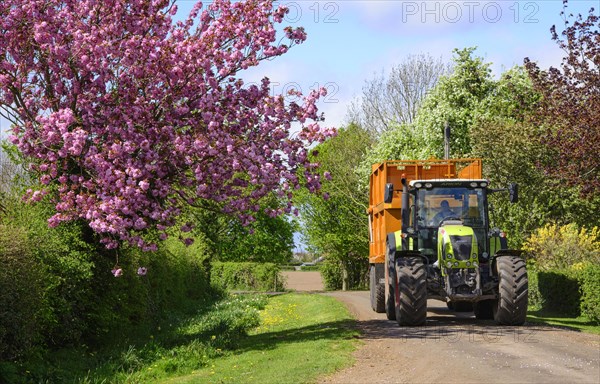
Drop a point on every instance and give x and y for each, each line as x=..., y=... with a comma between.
x=447, y=251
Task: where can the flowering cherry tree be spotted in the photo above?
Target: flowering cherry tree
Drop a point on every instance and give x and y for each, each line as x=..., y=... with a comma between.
x=127, y=116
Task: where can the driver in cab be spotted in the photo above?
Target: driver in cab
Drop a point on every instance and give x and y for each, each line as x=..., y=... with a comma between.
x=444, y=213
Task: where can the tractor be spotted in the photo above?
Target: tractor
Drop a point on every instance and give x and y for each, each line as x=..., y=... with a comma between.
x=431, y=239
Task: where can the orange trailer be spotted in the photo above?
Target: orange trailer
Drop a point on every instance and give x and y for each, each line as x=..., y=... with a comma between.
x=385, y=218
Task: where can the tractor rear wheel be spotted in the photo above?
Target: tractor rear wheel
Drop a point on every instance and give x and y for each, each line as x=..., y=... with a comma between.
x=484, y=309
x=411, y=298
x=511, y=306
x=377, y=290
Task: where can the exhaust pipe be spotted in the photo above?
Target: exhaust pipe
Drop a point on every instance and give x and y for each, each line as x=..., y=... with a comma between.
x=446, y=141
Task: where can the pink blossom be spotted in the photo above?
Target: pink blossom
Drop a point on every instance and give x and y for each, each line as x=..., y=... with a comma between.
x=118, y=272
x=142, y=271
x=148, y=115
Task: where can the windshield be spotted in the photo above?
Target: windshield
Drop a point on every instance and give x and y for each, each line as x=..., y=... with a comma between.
x=436, y=204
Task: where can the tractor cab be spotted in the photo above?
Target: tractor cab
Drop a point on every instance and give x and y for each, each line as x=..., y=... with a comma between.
x=439, y=204
x=448, y=224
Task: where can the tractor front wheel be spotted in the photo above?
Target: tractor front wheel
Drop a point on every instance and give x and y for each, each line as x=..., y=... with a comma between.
x=511, y=306
x=411, y=295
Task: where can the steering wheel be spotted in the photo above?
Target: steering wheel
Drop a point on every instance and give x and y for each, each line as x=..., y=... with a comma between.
x=449, y=218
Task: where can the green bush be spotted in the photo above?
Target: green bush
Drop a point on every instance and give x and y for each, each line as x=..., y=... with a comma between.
x=331, y=272
x=227, y=321
x=311, y=268
x=570, y=292
x=559, y=290
x=59, y=286
x=22, y=304
x=356, y=271
x=247, y=276
x=536, y=300
x=589, y=279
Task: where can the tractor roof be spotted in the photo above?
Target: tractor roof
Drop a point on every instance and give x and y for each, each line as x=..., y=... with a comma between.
x=450, y=183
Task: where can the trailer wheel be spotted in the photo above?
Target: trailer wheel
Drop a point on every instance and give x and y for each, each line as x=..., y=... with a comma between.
x=484, y=309
x=511, y=306
x=390, y=310
x=411, y=304
x=377, y=290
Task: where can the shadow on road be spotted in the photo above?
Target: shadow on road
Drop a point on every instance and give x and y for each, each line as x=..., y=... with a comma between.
x=451, y=329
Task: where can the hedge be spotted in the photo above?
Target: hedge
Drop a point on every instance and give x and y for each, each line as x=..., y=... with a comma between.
x=589, y=280
x=248, y=276
x=570, y=292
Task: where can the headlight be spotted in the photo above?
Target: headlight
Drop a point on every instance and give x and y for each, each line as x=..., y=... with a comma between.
x=473, y=185
x=428, y=185
x=418, y=185
x=484, y=184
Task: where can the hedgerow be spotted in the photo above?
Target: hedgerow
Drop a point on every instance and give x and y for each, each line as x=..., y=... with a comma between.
x=247, y=276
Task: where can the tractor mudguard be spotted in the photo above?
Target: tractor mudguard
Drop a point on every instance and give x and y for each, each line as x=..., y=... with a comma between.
x=504, y=252
x=412, y=254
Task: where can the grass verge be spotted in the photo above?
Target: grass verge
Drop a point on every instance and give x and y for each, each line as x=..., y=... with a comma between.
x=301, y=337
x=581, y=323
x=238, y=339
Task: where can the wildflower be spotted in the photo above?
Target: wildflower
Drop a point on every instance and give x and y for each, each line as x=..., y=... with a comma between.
x=117, y=272
x=142, y=271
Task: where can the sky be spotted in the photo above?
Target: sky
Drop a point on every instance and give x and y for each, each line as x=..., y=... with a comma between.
x=350, y=41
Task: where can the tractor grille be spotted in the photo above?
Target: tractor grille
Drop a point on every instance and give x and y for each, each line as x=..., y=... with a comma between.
x=461, y=245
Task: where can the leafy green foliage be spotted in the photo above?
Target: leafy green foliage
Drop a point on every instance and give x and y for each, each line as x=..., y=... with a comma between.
x=271, y=240
x=67, y=294
x=455, y=100
x=336, y=226
x=247, y=276
x=510, y=144
x=186, y=341
x=559, y=292
x=225, y=238
x=569, y=292
x=402, y=142
x=589, y=279
x=21, y=298
x=332, y=274
x=228, y=320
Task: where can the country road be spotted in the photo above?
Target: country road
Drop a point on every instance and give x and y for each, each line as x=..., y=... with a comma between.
x=456, y=348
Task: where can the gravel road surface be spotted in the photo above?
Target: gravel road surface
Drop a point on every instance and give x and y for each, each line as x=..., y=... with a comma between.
x=456, y=348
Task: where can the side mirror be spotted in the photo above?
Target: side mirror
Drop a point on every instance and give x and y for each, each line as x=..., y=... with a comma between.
x=513, y=192
x=389, y=193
